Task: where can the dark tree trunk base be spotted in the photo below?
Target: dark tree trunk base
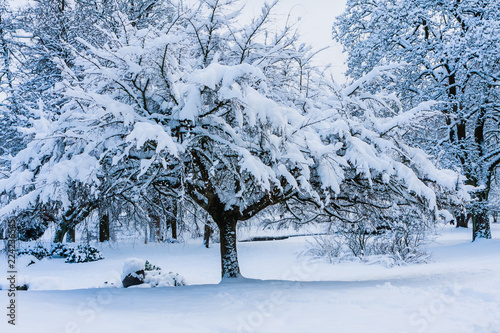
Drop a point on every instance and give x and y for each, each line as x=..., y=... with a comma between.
x=481, y=226
x=174, y=229
x=206, y=235
x=70, y=235
x=462, y=221
x=104, y=228
x=172, y=220
x=60, y=232
x=229, y=255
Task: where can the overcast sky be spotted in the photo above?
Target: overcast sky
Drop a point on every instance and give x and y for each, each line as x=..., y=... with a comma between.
x=316, y=27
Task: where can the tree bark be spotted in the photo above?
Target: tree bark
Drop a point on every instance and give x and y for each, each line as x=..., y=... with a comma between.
x=172, y=219
x=156, y=222
x=104, y=228
x=229, y=256
x=480, y=216
x=60, y=232
x=481, y=225
x=462, y=220
x=70, y=235
x=173, y=225
x=70, y=220
x=206, y=235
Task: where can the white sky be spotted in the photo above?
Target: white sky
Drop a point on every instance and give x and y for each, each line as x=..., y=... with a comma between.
x=317, y=18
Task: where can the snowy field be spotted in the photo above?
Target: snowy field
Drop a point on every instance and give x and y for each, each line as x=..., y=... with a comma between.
x=458, y=291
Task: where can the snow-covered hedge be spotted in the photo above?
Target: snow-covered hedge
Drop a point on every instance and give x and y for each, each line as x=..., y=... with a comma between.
x=80, y=254
x=38, y=251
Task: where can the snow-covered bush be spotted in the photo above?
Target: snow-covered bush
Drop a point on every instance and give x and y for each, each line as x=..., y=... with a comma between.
x=159, y=278
x=59, y=250
x=38, y=251
x=155, y=277
x=150, y=267
x=326, y=247
x=398, y=243
x=84, y=253
x=357, y=237
x=403, y=244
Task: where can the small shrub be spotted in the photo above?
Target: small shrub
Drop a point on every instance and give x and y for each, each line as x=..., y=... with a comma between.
x=150, y=267
x=327, y=247
x=84, y=253
x=38, y=251
x=400, y=244
x=59, y=250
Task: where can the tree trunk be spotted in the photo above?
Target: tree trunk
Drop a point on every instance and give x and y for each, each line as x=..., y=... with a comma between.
x=462, y=220
x=152, y=232
x=70, y=220
x=104, y=228
x=206, y=236
x=177, y=217
x=173, y=225
x=172, y=219
x=480, y=217
x=60, y=232
x=481, y=225
x=70, y=235
x=157, y=227
x=229, y=255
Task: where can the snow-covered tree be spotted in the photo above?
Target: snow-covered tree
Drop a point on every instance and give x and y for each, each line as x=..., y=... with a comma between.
x=449, y=52
x=203, y=107
x=46, y=35
x=10, y=140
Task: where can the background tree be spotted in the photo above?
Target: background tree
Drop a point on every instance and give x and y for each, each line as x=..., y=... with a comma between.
x=450, y=54
x=37, y=56
x=11, y=115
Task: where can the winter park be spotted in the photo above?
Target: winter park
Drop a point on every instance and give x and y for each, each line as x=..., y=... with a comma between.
x=228, y=166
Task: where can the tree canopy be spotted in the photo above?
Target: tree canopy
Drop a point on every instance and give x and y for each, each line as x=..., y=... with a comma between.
x=231, y=116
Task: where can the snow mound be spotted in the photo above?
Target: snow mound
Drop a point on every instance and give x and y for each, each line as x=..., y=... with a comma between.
x=132, y=265
x=158, y=278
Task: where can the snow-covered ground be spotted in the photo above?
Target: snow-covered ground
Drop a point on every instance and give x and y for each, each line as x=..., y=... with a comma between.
x=459, y=291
